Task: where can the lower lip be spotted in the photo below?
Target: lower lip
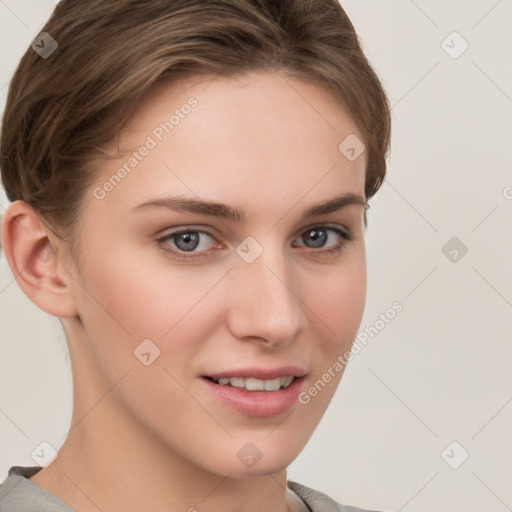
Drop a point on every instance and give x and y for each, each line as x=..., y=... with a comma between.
x=257, y=404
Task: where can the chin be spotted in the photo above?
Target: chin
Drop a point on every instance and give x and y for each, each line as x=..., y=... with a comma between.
x=250, y=462
x=260, y=469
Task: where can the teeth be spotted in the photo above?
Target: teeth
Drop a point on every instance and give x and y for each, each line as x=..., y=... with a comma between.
x=256, y=384
x=237, y=381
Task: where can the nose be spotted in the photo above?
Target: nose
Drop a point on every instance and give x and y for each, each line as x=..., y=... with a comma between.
x=265, y=303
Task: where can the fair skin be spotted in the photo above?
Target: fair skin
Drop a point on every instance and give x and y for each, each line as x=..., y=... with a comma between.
x=155, y=437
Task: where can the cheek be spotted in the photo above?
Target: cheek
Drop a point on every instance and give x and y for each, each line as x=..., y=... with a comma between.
x=340, y=300
x=124, y=301
x=337, y=312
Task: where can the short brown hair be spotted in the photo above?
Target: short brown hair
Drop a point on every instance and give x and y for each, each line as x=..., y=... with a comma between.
x=63, y=109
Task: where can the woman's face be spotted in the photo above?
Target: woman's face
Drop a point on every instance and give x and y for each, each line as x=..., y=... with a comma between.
x=253, y=289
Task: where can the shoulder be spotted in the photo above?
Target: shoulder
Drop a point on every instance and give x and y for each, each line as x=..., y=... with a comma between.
x=319, y=502
x=19, y=494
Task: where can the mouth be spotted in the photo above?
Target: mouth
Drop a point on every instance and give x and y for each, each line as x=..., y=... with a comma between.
x=260, y=393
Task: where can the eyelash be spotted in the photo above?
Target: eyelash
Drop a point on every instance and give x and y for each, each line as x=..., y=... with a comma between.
x=345, y=238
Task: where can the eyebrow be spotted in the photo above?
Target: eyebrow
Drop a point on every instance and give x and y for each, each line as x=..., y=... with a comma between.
x=235, y=214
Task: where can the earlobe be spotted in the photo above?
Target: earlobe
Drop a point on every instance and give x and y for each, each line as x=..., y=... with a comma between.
x=35, y=261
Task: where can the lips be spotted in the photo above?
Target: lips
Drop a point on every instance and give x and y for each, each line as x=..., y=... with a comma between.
x=257, y=392
x=260, y=373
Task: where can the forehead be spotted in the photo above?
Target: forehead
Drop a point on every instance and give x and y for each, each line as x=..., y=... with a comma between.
x=255, y=98
x=256, y=136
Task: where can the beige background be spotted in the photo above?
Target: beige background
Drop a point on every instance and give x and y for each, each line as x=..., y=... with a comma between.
x=440, y=370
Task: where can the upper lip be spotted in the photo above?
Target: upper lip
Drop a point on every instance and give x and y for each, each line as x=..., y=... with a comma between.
x=260, y=373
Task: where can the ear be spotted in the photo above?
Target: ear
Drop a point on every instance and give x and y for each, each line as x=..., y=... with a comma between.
x=36, y=261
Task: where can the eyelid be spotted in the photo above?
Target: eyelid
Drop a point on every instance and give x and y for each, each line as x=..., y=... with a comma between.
x=330, y=225
x=185, y=227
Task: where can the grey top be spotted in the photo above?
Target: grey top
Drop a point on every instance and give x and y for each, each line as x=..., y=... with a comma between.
x=19, y=494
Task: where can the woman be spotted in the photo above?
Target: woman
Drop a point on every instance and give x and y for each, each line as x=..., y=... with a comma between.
x=189, y=184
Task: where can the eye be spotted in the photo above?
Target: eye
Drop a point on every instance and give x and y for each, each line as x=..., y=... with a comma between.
x=184, y=241
x=318, y=236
